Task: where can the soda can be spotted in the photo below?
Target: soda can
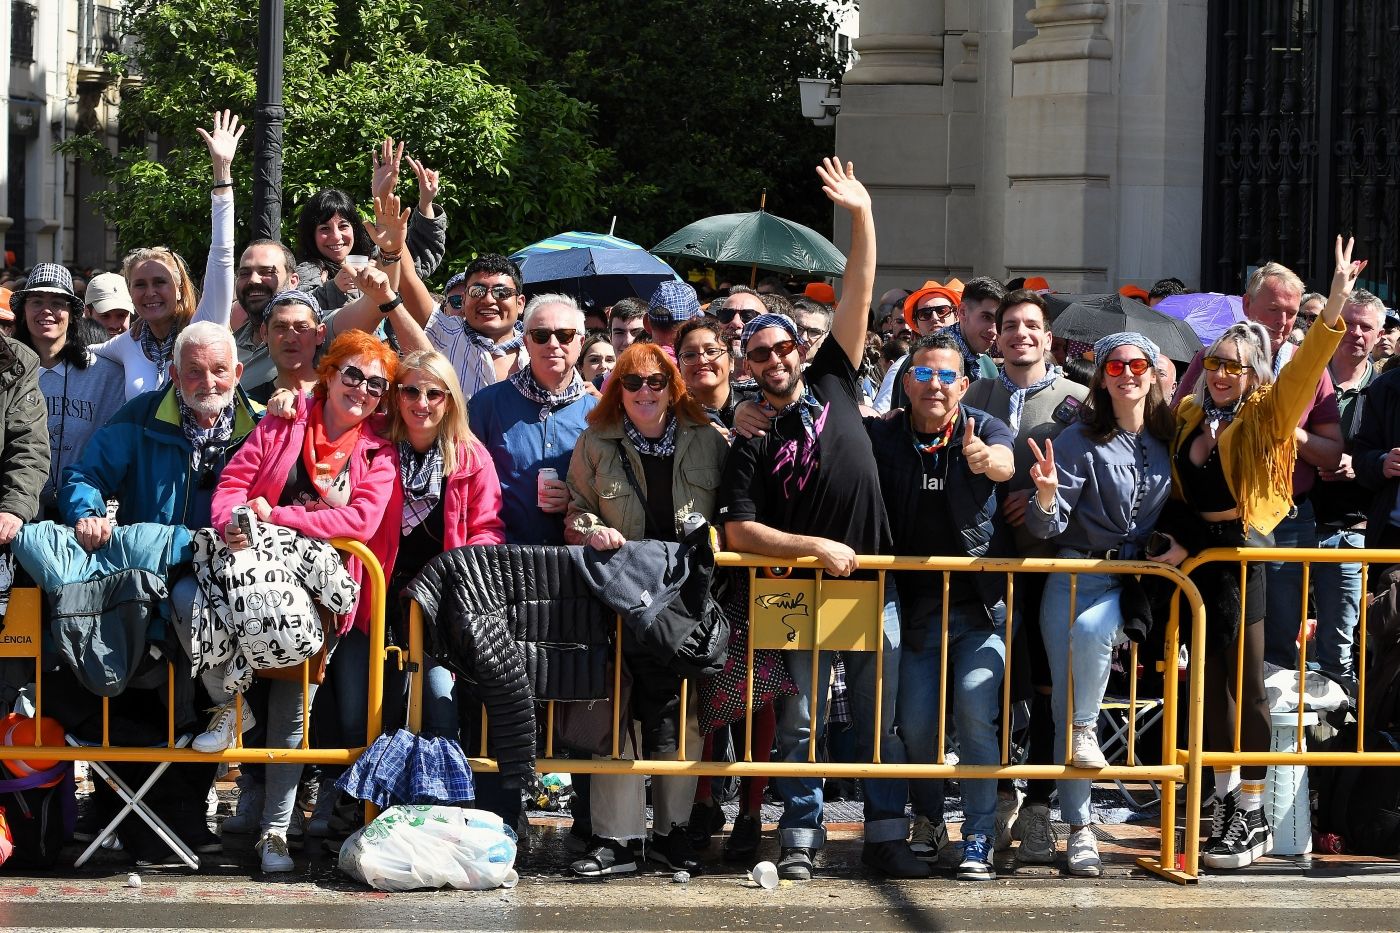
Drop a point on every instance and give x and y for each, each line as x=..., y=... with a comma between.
x=246, y=521
x=547, y=475
x=691, y=522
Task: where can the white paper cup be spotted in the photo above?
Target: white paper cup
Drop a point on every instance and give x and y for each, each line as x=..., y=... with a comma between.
x=357, y=263
x=765, y=875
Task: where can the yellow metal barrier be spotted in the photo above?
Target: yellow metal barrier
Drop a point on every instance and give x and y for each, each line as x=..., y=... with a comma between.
x=814, y=612
x=22, y=638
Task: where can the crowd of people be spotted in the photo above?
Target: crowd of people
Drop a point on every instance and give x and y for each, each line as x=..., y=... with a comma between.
x=325, y=388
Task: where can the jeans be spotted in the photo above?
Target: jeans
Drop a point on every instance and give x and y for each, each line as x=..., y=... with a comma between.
x=885, y=819
x=348, y=672
x=285, y=723
x=976, y=664
x=1338, y=589
x=439, y=701
x=1284, y=589
x=1097, y=626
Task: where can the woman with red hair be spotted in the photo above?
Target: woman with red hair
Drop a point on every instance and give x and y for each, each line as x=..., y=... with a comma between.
x=649, y=457
x=326, y=473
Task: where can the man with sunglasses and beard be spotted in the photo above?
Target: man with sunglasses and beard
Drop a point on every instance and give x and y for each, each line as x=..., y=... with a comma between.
x=808, y=486
x=941, y=465
x=485, y=340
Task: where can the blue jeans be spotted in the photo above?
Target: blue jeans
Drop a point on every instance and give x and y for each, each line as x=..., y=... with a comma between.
x=348, y=671
x=976, y=663
x=885, y=819
x=439, y=701
x=1283, y=589
x=1338, y=589
x=1098, y=625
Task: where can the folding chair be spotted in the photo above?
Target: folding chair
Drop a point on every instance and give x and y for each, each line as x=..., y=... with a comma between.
x=1115, y=716
x=134, y=802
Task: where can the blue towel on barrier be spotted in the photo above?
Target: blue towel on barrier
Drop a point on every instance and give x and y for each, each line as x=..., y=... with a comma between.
x=405, y=768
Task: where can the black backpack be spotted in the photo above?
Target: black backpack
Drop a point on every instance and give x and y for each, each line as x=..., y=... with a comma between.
x=41, y=819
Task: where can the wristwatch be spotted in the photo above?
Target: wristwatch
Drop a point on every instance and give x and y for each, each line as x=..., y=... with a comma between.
x=391, y=304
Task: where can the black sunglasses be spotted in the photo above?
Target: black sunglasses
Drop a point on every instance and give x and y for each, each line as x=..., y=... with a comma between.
x=414, y=393
x=633, y=383
x=455, y=301
x=929, y=312
x=565, y=335
x=352, y=377
x=498, y=292
x=726, y=315
x=763, y=354
x=210, y=456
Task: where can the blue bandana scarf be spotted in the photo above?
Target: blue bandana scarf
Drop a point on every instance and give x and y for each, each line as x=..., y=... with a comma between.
x=1019, y=396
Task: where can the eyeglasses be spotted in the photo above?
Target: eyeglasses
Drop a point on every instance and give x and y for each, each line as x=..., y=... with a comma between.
x=710, y=354
x=633, y=383
x=1137, y=367
x=498, y=292
x=352, y=377
x=1231, y=367
x=762, y=354
x=565, y=335
x=926, y=373
x=455, y=301
x=811, y=334
x=434, y=395
x=726, y=315
x=932, y=312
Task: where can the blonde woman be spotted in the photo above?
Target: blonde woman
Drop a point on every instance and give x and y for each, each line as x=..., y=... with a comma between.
x=161, y=288
x=451, y=496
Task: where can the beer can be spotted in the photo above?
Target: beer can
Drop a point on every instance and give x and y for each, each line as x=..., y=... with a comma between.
x=547, y=474
x=691, y=522
x=245, y=519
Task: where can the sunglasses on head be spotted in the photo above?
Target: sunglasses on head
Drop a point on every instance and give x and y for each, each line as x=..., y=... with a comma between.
x=926, y=374
x=352, y=377
x=498, y=292
x=763, y=354
x=455, y=301
x=727, y=315
x=433, y=394
x=1137, y=367
x=1231, y=367
x=633, y=382
x=565, y=335
x=931, y=312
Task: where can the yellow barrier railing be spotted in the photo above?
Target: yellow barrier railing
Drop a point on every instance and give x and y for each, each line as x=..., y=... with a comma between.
x=23, y=638
x=816, y=613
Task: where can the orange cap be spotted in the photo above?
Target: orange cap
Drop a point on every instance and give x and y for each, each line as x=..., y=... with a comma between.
x=1037, y=283
x=931, y=287
x=1134, y=291
x=820, y=291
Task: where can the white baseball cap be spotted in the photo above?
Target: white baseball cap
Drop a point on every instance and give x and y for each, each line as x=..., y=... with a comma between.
x=108, y=291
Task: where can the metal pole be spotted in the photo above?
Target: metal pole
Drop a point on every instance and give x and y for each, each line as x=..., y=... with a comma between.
x=267, y=124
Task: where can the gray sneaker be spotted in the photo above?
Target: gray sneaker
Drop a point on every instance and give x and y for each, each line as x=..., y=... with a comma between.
x=247, y=814
x=1037, y=835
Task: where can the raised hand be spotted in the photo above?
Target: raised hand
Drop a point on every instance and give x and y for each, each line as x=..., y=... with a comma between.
x=429, y=184
x=389, y=230
x=1043, y=474
x=1347, y=270
x=840, y=185
x=222, y=143
x=977, y=454
x=374, y=284
x=386, y=161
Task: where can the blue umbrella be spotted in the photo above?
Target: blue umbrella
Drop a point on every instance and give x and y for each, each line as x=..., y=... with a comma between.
x=596, y=268
x=1207, y=313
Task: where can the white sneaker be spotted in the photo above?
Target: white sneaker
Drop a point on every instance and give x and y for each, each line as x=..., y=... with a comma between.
x=1038, y=842
x=928, y=838
x=1084, y=746
x=220, y=734
x=1083, y=854
x=275, y=857
x=1008, y=807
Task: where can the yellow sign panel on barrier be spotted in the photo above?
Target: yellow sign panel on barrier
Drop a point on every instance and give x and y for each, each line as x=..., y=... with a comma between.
x=785, y=614
x=23, y=635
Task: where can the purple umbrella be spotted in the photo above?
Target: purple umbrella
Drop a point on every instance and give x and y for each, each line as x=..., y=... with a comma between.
x=1208, y=313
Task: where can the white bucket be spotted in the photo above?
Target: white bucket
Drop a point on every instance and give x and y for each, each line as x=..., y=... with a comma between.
x=1286, y=788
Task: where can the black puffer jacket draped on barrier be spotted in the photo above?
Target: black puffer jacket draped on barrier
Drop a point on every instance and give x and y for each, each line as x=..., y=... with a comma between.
x=519, y=624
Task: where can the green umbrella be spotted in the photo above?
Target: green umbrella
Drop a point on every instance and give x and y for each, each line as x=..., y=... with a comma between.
x=758, y=239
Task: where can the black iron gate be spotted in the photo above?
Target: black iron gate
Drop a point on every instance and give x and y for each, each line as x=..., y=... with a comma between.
x=1302, y=139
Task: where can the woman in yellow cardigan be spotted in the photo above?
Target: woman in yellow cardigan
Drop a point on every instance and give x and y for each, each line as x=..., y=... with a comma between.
x=1232, y=462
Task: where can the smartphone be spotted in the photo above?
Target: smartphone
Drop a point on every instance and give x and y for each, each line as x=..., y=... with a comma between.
x=1158, y=544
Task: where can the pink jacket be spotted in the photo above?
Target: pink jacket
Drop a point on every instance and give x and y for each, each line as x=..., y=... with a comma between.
x=472, y=500
x=372, y=516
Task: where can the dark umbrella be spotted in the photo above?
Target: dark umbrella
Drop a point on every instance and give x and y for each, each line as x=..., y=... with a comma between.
x=596, y=268
x=1056, y=303
x=758, y=239
x=1087, y=323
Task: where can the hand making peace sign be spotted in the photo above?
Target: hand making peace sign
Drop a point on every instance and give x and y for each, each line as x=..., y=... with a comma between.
x=1047, y=481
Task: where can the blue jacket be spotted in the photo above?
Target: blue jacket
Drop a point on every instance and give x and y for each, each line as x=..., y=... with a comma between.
x=141, y=458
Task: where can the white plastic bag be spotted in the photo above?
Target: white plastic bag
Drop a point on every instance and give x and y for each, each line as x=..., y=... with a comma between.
x=408, y=848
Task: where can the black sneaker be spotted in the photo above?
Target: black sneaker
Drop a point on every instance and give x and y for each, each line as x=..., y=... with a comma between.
x=895, y=859
x=1246, y=838
x=580, y=839
x=795, y=864
x=1223, y=813
x=673, y=851
x=743, y=838
x=706, y=819
x=609, y=858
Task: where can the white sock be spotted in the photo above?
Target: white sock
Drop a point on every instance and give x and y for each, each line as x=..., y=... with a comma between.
x=1252, y=794
x=1226, y=780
